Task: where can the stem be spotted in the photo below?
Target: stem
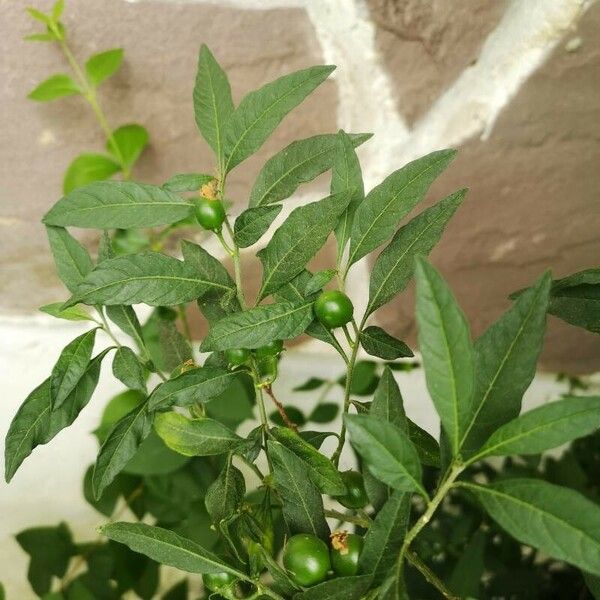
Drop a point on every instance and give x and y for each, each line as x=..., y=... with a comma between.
x=252, y=466
x=237, y=268
x=280, y=408
x=429, y=575
x=344, y=518
x=106, y=327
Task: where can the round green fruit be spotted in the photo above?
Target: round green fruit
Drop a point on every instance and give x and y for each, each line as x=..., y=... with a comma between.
x=210, y=213
x=273, y=348
x=333, y=309
x=237, y=356
x=345, y=551
x=306, y=558
x=355, y=496
x=216, y=582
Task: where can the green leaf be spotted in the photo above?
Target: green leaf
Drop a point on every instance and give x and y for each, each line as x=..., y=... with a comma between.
x=167, y=548
x=378, y=342
x=340, y=588
x=593, y=584
x=387, y=402
x=127, y=143
x=148, y=277
x=506, y=356
x=187, y=182
x=427, y=447
x=40, y=37
x=195, y=437
x=128, y=369
x=102, y=65
x=226, y=494
x=57, y=86
x=315, y=438
x=319, y=280
x=558, y=521
x=364, y=378
x=378, y=215
x=197, y=385
x=297, y=240
x=545, y=427
x=302, y=503
x=387, y=451
x=57, y=9
x=72, y=260
x=466, y=574
x=262, y=110
x=324, y=412
x=206, y=265
x=107, y=503
x=38, y=15
x=385, y=537
x=154, y=458
x=118, y=204
x=71, y=366
x=87, y=168
x=447, y=352
x=120, y=446
x=259, y=326
x=213, y=105
x=395, y=266
x=253, y=223
x=126, y=320
x=319, y=468
x=299, y=162
x=74, y=313
x=310, y=384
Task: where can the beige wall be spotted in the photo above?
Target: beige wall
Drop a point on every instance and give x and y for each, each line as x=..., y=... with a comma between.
x=514, y=85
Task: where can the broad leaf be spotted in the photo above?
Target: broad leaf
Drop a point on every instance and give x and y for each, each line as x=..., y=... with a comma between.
x=127, y=143
x=195, y=437
x=187, y=182
x=261, y=111
x=126, y=320
x=74, y=313
x=395, y=266
x=259, y=326
x=102, y=65
x=57, y=86
x=558, y=521
x=128, y=370
x=226, y=493
x=154, y=458
x=253, y=223
x=340, y=588
x=378, y=215
x=87, y=168
x=298, y=239
x=319, y=280
x=324, y=412
x=447, y=352
x=302, y=503
x=378, y=342
x=118, y=204
x=387, y=402
x=506, y=356
x=469, y=568
x=207, y=266
x=72, y=260
x=427, y=447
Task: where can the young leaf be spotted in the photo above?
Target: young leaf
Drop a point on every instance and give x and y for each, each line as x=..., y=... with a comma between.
x=87, y=168
x=506, y=356
x=72, y=260
x=126, y=320
x=57, y=86
x=318, y=281
x=447, y=352
x=38, y=15
x=127, y=143
x=118, y=204
x=195, y=437
x=167, y=548
x=259, y=326
x=302, y=503
x=378, y=342
x=70, y=367
x=378, y=215
x=213, y=105
x=102, y=65
x=297, y=163
x=187, y=182
x=394, y=267
x=226, y=493
x=319, y=468
x=253, y=223
x=261, y=111
x=340, y=588
x=298, y=239
x=120, y=446
x=387, y=451
x=558, y=521
x=57, y=9
x=128, y=369
x=545, y=427
x=387, y=402
x=74, y=313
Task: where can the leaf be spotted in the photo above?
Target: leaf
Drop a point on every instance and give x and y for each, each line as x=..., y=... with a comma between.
x=297, y=240
x=299, y=162
x=72, y=260
x=447, y=352
x=70, y=367
x=120, y=446
x=39, y=16
x=466, y=574
x=57, y=9
x=102, y=65
x=127, y=143
x=57, y=86
x=506, y=356
x=87, y=168
x=320, y=469
x=259, y=326
x=198, y=385
x=148, y=277
x=302, y=503
x=310, y=384
x=226, y=493
x=195, y=437
x=206, y=265
x=395, y=266
x=253, y=223
x=340, y=588
x=315, y=438
x=385, y=537
x=378, y=342
x=187, y=182
x=126, y=320
x=387, y=402
x=118, y=204
x=319, y=280
x=427, y=447
x=166, y=547
x=74, y=313
x=387, y=451
x=213, y=105
x=545, y=427
x=128, y=369
x=324, y=412
x=558, y=521
x=593, y=584
x=262, y=110
x=378, y=215
x=154, y=458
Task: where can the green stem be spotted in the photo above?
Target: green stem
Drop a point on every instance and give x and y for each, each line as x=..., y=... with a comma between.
x=252, y=466
x=344, y=518
x=429, y=575
x=237, y=267
x=106, y=327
